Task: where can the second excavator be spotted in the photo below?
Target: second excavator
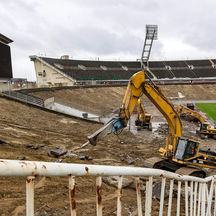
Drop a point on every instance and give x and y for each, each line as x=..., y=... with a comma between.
x=144, y=120
x=206, y=130
x=180, y=155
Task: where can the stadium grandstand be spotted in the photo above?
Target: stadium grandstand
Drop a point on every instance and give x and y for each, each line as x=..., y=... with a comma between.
x=67, y=72
x=5, y=59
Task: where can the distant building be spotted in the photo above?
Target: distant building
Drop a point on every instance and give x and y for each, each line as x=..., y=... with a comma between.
x=5, y=59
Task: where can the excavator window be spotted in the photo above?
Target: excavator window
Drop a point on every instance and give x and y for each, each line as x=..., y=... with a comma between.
x=147, y=119
x=204, y=127
x=191, y=149
x=185, y=149
x=180, y=150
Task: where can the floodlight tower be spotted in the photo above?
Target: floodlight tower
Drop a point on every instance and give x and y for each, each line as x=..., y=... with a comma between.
x=151, y=34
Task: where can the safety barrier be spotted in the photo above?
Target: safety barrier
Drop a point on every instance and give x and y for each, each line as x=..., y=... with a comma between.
x=199, y=192
x=25, y=98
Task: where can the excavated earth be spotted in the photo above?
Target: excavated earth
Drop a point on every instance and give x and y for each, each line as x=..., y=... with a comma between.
x=33, y=134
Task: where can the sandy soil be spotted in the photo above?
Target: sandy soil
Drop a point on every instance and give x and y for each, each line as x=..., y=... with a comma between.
x=28, y=133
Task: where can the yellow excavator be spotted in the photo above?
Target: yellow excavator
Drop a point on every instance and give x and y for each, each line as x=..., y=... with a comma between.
x=144, y=120
x=206, y=130
x=181, y=155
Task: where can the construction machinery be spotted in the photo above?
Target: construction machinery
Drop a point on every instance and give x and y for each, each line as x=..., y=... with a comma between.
x=144, y=120
x=206, y=130
x=180, y=155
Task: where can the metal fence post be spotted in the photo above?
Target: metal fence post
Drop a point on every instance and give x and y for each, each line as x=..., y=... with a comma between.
x=99, y=195
x=148, y=197
x=119, y=203
x=203, y=200
x=210, y=198
x=72, y=195
x=195, y=197
x=162, y=196
x=170, y=197
x=186, y=198
x=30, y=196
x=139, y=203
x=178, y=198
x=191, y=199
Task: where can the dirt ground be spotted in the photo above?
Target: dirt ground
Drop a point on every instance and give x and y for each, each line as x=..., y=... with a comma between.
x=28, y=133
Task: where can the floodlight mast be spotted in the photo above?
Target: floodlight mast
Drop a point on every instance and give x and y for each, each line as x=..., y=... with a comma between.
x=151, y=34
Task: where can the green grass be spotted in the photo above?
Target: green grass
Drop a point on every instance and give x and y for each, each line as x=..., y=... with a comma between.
x=209, y=108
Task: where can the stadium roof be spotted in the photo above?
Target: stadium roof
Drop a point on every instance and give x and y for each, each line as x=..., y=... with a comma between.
x=5, y=39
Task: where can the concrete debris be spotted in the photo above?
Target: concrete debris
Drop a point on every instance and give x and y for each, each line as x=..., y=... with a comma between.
x=82, y=157
x=114, y=181
x=130, y=160
x=70, y=154
x=156, y=191
x=127, y=158
x=58, y=151
x=35, y=146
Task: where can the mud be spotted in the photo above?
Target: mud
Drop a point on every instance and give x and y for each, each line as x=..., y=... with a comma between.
x=27, y=132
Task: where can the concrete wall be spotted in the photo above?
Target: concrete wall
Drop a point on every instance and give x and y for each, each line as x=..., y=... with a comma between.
x=71, y=111
x=50, y=77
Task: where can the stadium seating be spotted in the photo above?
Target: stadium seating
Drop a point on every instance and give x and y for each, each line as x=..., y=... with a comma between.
x=121, y=70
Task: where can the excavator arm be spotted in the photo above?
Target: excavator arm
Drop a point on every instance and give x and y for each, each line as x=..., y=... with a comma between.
x=190, y=112
x=140, y=110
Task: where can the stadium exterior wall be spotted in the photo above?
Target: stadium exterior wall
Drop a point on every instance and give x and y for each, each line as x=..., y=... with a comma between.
x=47, y=76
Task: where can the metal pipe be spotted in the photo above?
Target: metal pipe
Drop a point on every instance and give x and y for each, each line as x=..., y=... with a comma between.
x=162, y=196
x=99, y=195
x=210, y=198
x=139, y=202
x=199, y=199
x=72, y=195
x=191, y=199
x=178, y=198
x=170, y=197
x=30, y=195
x=215, y=200
x=148, y=197
x=203, y=200
x=195, y=197
x=14, y=168
x=119, y=197
x=186, y=198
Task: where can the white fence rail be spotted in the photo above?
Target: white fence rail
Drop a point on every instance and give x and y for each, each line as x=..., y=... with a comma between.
x=199, y=193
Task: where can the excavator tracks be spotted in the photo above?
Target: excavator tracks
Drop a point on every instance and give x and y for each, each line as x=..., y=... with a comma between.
x=165, y=164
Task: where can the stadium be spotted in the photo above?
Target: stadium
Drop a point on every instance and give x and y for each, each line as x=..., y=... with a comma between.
x=46, y=140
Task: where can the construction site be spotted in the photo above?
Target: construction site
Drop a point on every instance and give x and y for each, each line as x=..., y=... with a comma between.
x=30, y=133
x=82, y=146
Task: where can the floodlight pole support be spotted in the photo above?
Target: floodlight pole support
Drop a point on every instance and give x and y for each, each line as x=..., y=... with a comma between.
x=151, y=34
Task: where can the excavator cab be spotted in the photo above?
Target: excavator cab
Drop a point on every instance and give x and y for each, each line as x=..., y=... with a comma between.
x=148, y=118
x=185, y=149
x=204, y=126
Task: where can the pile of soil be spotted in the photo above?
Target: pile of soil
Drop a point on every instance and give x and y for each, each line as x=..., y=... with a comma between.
x=29, y=133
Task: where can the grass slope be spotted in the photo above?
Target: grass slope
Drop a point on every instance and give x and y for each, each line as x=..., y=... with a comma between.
x=209, y=108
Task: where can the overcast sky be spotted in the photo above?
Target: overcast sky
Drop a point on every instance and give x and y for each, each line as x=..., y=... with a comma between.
x=111, y=29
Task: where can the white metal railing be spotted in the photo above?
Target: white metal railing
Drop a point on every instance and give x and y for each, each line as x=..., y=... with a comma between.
x=200, y=201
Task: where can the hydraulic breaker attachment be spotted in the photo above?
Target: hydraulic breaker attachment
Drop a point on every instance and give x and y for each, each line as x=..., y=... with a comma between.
x=111, y=127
